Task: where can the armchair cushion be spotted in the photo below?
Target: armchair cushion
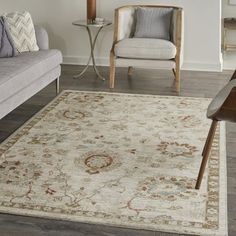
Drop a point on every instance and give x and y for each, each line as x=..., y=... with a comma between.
x=153, y=22
x=145, y=48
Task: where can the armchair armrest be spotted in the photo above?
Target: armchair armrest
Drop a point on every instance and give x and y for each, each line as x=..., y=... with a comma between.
x=177, y=30
x=42, y=38
x=124, y=23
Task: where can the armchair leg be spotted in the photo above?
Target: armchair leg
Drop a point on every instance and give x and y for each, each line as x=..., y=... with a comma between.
x=206, y=152
x=206, y=143
x=173, y=70
x=112, y=71
x=58, y=85
x=130, y=70
x=177, y=79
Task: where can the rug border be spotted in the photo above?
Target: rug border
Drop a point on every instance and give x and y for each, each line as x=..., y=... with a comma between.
x=223, y=209
x=135, y=94
x=223, y=227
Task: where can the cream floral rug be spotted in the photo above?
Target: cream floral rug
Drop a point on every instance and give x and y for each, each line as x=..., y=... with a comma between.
x=117, y=159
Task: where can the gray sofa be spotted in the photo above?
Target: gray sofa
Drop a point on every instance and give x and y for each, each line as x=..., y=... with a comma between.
x=26, y=74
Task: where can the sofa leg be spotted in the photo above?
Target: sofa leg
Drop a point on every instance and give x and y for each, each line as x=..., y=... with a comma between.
x=58, y=85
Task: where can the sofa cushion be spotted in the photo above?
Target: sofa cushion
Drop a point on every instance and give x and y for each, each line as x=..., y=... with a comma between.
x=7, y=48
x=22, y=31
x=144, y=48
x=19, y=72
x=153, y=22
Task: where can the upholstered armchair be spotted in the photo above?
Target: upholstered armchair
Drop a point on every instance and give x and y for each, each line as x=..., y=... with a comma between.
x=221, y=108
x=146, y=52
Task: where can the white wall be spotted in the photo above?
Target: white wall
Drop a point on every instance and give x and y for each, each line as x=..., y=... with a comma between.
x=202, y=28
x=229, y=11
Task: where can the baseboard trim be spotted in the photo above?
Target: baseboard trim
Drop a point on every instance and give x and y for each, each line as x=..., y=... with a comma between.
x=73, y=60
x=195, y=66
x=104, y=61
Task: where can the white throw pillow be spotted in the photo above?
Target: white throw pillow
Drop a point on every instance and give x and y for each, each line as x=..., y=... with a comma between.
x=22, y=30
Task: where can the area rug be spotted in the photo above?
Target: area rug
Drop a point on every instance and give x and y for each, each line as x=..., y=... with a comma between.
x=117, y=159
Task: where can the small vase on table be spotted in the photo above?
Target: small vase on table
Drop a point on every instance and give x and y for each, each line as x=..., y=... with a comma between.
x=91, y=11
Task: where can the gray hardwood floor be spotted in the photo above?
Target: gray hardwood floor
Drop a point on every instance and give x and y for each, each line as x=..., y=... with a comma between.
x=194, y=84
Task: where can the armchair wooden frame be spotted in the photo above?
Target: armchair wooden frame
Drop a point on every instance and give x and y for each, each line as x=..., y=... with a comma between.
x=177, y=41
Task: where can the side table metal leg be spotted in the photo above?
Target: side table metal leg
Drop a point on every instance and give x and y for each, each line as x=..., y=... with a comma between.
x=92, y=44
x=89, y=60
x=86, y=67
x=91, y=57
x=84, y=70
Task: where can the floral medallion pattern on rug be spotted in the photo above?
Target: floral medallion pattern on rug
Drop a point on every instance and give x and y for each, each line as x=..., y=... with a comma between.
x=116, y=159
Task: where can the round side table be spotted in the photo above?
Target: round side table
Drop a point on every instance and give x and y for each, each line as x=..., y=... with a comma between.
x=92, y=42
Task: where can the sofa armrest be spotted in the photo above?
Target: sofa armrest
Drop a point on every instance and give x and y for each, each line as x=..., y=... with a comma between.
x=42, y=38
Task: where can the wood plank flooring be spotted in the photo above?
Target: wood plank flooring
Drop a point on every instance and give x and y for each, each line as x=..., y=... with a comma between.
x=193, y=84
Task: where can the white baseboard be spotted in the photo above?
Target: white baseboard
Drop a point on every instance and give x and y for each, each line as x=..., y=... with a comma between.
x=73, y=60
x=104, y=61
x=199, y=66
x=194, y=66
